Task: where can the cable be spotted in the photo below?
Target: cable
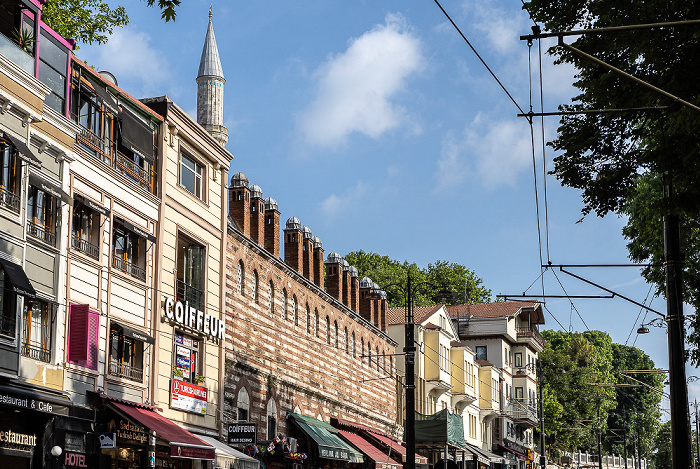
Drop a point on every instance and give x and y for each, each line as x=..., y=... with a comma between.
x=544, y=160
x=637, y=318
x=572, y=303
x=479, y=57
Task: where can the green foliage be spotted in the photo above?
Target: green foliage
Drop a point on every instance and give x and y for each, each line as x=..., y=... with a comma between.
x=25, y=39
x=662, y=448
x=167, y=8
x=391, y=275
x=617, y=159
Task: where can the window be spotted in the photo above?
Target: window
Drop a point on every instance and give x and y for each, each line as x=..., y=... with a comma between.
x=96, y=122
x=328, y=330
x=335, y=333
x=241, y=278
x=10, y=172
x=519, y=393
x=308, y=320
x=518, y=359
x=376, y=354
x=187, y=366
x=191, y=175
x=125, y=355
x=41, y=215
x=354, y=352
x=128, y=252
x=85, y=230
x=243, y=405
x=191, y=265
x=284, y=303
x=271, y=419
x=254, y=287
x=316, y=324
x=271, y=299
x=295, y=310
x=481, y=352
x=36, y=342
x=53, y=67
x=362, y=350
x=8, y=317
x=83, y=330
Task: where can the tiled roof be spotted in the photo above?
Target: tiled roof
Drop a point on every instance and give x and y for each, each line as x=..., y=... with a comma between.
x=490, y=310
x=420, y=314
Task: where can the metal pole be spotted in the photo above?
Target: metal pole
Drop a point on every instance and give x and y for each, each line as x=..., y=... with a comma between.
x=697, y=431
x=543, y=458
x=600, y=449
x=409, y=349
x=680, y=431
x=624, y=433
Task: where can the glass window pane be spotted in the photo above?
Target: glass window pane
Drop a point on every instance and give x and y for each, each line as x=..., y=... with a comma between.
x=53, y=54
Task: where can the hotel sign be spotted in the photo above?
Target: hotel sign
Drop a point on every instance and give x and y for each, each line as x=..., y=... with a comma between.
x=188, y=397
x=193, y=318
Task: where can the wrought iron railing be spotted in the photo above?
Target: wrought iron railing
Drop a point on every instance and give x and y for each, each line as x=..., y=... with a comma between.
x=41, y=233
x=124, y=370
x=190, y=294
x=530, y=332
x=85, y=247
x=127, y=267
x=37, y=352
x=9, y=199
x=139, y=175
x=7, y=325
x=520, y=409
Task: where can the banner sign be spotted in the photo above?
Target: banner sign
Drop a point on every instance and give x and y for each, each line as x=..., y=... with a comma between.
x=33, y=404
x=191, y=317
x=188, y=397
x=242, y=433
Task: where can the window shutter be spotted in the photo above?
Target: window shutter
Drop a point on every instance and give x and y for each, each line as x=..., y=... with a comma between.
x=78, y=336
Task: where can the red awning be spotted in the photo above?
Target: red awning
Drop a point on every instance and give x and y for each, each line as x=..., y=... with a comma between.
x=381, y=460
x=183, y=444
x=399, y=448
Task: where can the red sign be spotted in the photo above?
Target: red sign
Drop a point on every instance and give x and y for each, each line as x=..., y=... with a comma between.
x=189, y=452
x=74, y=460
x=188, y=396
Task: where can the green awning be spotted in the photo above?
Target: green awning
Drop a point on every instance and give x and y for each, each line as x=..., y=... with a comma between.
x=330, y=445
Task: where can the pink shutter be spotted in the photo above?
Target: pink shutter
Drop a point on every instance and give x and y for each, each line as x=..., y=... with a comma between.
x=78, y=333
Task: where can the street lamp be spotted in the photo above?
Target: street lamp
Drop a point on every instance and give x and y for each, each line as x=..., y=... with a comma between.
x=409, y=350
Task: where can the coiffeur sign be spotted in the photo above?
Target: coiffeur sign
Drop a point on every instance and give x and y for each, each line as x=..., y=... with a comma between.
x=188, y=397
x=193, y=318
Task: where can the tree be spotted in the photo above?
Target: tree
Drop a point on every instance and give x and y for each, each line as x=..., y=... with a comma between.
x=616, y=158
x=385, y=271
x=92, y=21
x=662, y=448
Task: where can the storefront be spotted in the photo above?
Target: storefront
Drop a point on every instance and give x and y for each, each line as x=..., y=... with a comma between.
x=322, y=443
x=135, y=436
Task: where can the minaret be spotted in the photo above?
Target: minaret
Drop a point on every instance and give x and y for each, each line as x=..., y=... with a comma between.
x=210, y=89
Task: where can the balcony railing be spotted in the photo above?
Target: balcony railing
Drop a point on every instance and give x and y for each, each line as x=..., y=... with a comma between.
x=85, y=247
x=127, y=267
x=190, y=294
x=102, y=148
x=139, y=175
x=522, y=409
x=37, y=352
x=41, y=233
x=124, y=370
x=9, y=200
x=16, y=54
x=530, y=333
x=7, y=325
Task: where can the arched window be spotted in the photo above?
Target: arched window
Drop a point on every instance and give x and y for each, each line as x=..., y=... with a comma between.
x=318, y=325
x=347, y=341
x=254, y=287
x=295, y=310
x=241, y=278
x=271, y=419
x=284, y=304
x=369, y=354
x=243, y=405
x=328, y=330
x=271, y=298
x=335, y=333
x=308, y=319
x=362, y=350
x=354, y=352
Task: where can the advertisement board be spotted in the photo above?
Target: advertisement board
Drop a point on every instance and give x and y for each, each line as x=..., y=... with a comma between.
x=188, y=397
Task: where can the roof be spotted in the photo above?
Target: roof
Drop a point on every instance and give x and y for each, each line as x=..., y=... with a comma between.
x=490, y=310
x=210, y=63
x=420, y=314
x=483, y=363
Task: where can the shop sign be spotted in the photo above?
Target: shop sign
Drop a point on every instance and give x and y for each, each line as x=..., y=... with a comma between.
x=191, y=317
x=333, y=453
x=108, y=440
x=131, y=433
x=10, y=438
x=188, y=397
x=242, y=433
x=74, y=460
x=190, y=452
x=33, y=404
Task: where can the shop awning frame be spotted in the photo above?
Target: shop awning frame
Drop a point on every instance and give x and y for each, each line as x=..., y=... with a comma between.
x=25, y=153
x=224, y=451
x=330, y=445
x=381, y=460
x=18, y=278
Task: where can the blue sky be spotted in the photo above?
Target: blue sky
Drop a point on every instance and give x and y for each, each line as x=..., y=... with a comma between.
x=376, y=125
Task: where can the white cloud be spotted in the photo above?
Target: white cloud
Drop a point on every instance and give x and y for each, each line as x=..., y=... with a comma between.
x=334, y=205
x=140, y=69
x=492, y=153
x=355, y=88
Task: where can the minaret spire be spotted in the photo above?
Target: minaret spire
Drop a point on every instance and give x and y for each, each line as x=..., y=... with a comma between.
x=210, y=88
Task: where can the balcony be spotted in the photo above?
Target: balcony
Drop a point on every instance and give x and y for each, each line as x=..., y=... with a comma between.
x=190, y=294
x=522, y=411
x=41, y=233
x=124, y=370
x=36, y=352
x=127, y=267
x=16, y=54
x=85, y=247
x=530, y=334
x=9, y=200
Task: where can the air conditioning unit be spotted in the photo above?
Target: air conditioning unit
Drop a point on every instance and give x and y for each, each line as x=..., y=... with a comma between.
x=292, y=444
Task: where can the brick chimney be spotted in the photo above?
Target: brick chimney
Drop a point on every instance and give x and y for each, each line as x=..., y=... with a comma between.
x=354, y=289
x=272, y=227
x=383, y=305
x=318, y=262
x=257, y=214
x=293, y=244
x=308, y=252
x=334, y=275
x=346, y=283
x=366, y=301
x=238, y=201
x=376, y=301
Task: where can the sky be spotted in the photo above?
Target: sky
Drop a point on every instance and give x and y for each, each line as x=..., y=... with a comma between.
x=378, y=127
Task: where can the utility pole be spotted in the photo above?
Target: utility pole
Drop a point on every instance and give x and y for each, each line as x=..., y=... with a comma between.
x=697, y=432
x=409, y=349
x=624, y=433
x=543, y=458
x=600, y=446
